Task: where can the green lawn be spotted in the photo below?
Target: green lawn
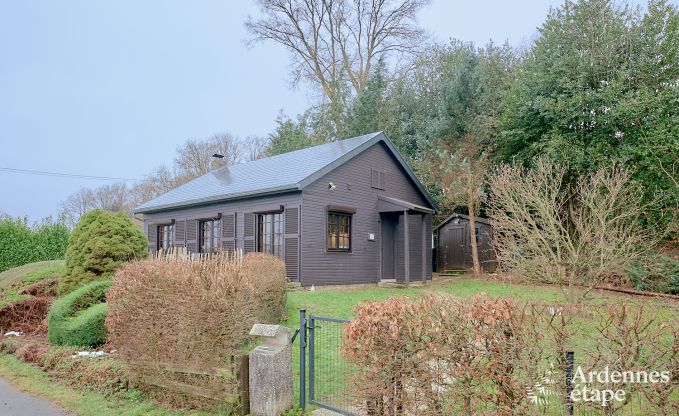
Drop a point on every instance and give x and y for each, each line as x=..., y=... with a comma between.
x=339, y=303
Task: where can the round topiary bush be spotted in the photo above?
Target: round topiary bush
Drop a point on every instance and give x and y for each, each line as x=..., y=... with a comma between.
x=78, y=318
x=100, y=242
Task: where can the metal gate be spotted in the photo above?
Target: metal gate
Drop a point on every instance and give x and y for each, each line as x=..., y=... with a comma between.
x=326, y=376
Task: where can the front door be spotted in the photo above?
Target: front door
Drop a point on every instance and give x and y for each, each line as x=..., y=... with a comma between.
x=387, y=237
x=455, y=248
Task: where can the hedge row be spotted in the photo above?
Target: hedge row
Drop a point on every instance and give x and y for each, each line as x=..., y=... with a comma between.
x=22, y=244
x=190, y=313
x=442, y=355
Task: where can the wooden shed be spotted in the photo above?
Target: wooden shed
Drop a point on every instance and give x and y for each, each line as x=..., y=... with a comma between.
x=453, y=248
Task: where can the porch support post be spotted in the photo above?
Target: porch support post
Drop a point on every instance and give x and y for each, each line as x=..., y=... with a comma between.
x=406, y=246
x=425, y=266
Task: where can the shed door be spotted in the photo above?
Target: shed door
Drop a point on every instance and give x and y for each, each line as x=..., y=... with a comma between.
x=454, y=248
x=387, y=237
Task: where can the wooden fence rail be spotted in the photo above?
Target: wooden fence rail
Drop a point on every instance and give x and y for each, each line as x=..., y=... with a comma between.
x=237, y=373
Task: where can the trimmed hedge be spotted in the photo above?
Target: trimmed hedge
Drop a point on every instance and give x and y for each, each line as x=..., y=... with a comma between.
x=78, y=319
x=100, y=243
x=21, y=243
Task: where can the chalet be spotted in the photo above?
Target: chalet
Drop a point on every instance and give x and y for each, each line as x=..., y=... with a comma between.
x=346, y=212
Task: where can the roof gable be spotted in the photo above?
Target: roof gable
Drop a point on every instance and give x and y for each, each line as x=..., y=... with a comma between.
x=281, y=173
x=478, y=219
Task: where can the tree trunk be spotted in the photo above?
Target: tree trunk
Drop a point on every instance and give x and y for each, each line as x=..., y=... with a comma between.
x=472, y=240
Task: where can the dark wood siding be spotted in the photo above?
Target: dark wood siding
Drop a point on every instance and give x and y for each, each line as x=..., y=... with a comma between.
x=354, y=189
x=152, y=235
x=429, y=243
x=238, y=220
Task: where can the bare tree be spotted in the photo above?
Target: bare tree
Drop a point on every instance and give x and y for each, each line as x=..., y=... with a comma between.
x=335, y=41
x=194, y=158
x=76, y=205
x=114, y=197
x=156, y=183
x=255, y=148
x=581, y=236
x=461, y=174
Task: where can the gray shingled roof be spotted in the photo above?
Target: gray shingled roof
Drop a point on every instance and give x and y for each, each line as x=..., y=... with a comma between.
x=286, y=172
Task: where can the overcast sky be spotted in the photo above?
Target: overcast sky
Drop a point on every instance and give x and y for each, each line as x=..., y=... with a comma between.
x=112, y=88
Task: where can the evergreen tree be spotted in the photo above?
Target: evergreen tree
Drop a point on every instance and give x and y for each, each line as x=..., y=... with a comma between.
x=600, y=85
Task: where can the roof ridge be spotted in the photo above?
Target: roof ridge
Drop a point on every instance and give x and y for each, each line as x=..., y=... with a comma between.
x=180, y=196
x=292, y=152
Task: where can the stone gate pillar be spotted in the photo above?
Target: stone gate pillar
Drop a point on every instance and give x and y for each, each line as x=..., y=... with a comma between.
x=271, y=371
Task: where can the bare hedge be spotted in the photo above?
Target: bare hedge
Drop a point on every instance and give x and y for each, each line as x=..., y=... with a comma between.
x=445, y=356
x=192, y=315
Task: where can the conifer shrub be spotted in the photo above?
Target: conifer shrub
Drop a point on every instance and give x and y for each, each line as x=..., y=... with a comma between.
x=100, y=243
x=77, y=319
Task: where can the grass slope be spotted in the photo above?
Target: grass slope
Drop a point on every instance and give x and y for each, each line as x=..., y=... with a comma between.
x=38, y=270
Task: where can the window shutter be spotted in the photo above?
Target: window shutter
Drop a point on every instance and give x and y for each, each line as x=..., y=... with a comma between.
x=378, y=178
x=229, y=232
x=292, y=242
x=248, y=232
x=180, y=233
x=191, y=236
x=152, y=234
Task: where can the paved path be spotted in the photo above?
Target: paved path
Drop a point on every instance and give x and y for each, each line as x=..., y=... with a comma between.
x=17, y=403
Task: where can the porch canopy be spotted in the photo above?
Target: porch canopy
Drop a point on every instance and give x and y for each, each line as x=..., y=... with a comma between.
x=386, y=204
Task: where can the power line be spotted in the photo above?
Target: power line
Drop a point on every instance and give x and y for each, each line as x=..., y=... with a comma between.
x=64, y=175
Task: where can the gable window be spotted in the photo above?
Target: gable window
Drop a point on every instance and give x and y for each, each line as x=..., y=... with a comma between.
x=208, y=235
x=165, y=236
x=378, y=179
x=339, y=231
x=270, y=233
